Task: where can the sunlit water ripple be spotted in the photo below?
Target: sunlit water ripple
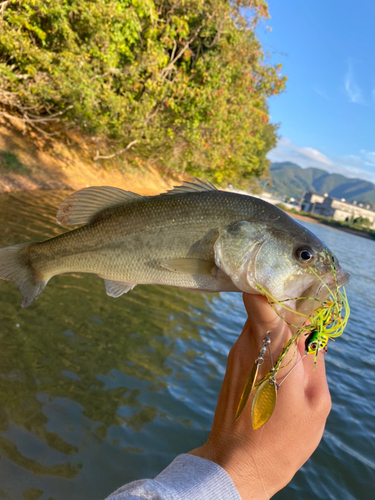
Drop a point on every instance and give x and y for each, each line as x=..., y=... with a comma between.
x=96, y=392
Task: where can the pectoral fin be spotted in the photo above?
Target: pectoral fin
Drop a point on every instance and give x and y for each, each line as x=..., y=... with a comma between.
x=117, y=288
x=197, y=267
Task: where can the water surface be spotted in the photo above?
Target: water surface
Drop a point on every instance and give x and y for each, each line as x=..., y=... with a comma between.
x=96, y=392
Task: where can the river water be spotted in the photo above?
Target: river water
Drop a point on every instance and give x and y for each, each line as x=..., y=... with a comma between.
x=96, y=392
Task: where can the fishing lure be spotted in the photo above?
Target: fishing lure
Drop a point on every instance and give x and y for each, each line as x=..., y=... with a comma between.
x=316, y=341
x=327, y=322
x=249, y=384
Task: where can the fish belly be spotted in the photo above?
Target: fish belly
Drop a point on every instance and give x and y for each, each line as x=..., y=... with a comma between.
x=136, y=258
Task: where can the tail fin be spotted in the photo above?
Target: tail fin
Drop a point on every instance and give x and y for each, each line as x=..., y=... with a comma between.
x=15, y=267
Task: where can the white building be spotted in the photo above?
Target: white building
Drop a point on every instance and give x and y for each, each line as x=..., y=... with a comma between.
x=327, y=206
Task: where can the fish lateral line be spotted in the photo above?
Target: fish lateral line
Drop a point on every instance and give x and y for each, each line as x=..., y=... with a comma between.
x=194, y=237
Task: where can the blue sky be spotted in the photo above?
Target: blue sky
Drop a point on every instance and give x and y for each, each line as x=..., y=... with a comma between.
x=327, y=112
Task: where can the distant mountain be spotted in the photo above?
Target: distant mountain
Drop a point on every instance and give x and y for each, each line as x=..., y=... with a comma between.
x=288, y=179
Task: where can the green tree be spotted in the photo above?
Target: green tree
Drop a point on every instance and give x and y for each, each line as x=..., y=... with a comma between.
x=362, y=222
x=182, y=81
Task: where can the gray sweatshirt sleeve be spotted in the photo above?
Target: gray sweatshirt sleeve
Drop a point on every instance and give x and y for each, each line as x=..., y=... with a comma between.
x=186, y=478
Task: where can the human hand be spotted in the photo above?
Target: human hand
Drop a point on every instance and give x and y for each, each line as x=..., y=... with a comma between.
x=261, y=462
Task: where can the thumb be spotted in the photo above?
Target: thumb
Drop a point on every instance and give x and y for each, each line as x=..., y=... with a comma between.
x=263, y=318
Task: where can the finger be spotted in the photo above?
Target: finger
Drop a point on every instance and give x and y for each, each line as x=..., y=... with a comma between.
x=259, y=310
x=307, y=386
x=316, y=386
x=263, y=318
x=263, y=321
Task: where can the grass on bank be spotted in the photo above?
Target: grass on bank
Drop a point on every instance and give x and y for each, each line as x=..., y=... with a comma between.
x=329, y=221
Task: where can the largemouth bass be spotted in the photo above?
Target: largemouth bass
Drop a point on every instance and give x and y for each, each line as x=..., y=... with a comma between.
x=194, y=237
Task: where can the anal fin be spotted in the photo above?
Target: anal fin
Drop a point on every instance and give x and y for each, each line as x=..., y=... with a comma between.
x=117, y=288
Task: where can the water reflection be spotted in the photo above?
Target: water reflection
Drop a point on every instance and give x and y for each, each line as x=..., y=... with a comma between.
x=95, y=391
x=343, y=465
x=75, y=366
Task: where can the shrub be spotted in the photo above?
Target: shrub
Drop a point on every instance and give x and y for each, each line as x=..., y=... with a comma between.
x=183, y=80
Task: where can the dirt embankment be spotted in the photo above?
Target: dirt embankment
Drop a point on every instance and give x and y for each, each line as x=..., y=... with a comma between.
x=31, y=160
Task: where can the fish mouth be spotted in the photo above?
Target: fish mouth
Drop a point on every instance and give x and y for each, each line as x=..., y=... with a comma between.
x=330, y=283
x=320, y=291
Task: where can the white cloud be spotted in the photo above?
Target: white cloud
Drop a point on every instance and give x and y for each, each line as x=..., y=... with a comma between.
x=323, y=94
x=361, y=166
x=314, y=154
x=303, y=156
x=369, y=157
x=352, y=90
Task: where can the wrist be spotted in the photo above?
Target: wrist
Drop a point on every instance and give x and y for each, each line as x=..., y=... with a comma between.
x=242, y=471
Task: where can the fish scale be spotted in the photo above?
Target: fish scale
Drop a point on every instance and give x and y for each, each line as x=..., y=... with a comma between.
x=193, y=237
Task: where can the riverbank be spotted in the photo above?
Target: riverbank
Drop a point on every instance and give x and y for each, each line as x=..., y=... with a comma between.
x=31, y=160
x=333, y=224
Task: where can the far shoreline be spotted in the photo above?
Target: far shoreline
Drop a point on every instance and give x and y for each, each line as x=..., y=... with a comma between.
x=31, y=162
x=356, y=232
x=153, y=189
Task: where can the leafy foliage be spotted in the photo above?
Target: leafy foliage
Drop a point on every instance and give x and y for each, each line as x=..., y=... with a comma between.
x=185, y=79
x=361, y=222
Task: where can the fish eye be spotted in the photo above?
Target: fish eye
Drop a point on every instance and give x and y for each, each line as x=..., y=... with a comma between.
x=305, y=255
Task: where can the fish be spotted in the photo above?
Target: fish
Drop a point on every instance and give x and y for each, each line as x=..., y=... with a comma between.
x=194, y=237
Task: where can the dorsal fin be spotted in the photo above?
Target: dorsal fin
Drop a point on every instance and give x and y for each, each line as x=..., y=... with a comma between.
x=191, y=187
x=81, y=206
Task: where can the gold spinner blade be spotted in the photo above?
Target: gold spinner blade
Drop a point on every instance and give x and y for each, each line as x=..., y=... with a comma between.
x=264, y=403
